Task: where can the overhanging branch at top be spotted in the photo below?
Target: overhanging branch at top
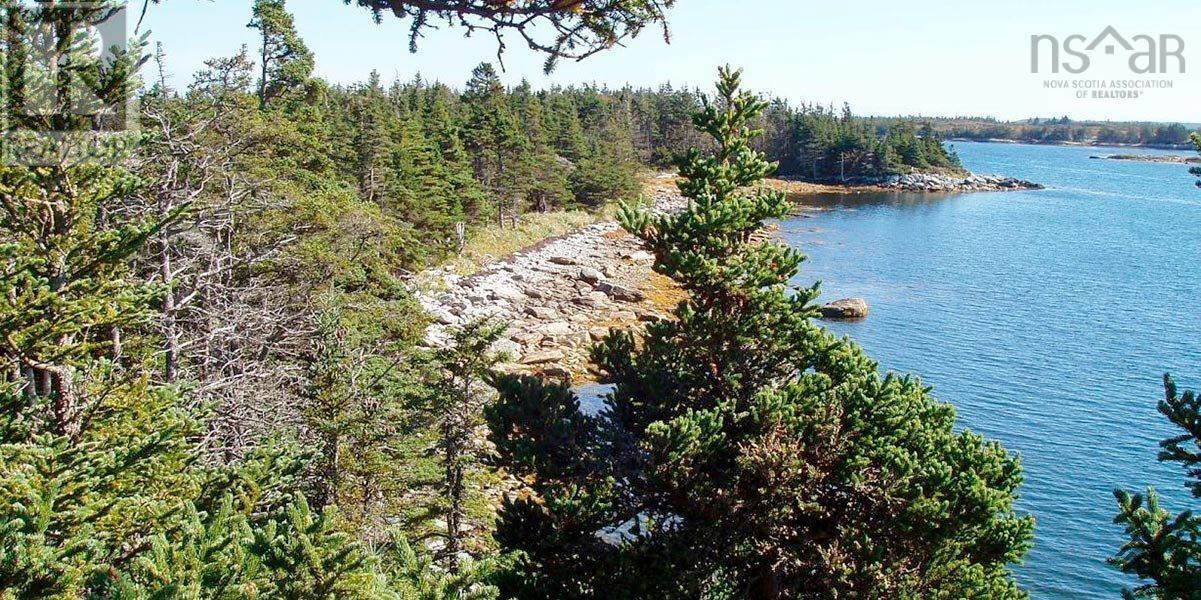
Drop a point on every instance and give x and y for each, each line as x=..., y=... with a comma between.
x=571, y=29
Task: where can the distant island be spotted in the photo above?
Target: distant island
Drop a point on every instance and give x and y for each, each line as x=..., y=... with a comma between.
x=1168, y=158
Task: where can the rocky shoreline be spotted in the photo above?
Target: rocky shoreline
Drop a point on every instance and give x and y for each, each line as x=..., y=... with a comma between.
x=558, y=297
x=938, y=182
x=563, y=294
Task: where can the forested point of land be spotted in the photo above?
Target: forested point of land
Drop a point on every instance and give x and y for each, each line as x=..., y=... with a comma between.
x=1057, y=130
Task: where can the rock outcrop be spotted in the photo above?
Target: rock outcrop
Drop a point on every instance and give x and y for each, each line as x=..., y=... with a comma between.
x=557, y=297
x=846, y=309
x=938, y=182
x=560, y=296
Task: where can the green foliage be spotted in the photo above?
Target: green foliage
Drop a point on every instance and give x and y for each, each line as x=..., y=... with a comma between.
x=1056, y=130
x=458, y=397
x=278, y=202
x=572, y=29
x=418, y=578
x=1164, y=549
x=825, y=146
x=105, y=490
x=363, y=386
x=745, y=451
x=285, y=61
x=65, y=287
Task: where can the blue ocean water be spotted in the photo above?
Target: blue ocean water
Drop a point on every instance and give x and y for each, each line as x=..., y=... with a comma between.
x=1046, y=317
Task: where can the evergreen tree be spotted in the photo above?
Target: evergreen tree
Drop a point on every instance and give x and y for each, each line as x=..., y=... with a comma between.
x=608, y=170
x=1164, y=550
x=546, y=173
x=285, y=62
x=492, y=134
x=372, y=142
x=748, y=452
x=467, y=198
x=103, y=489
x=459, y=397
x=564, y=129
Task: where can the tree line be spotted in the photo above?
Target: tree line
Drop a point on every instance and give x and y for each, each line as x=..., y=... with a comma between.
x=215, y=384
x=1059, y=130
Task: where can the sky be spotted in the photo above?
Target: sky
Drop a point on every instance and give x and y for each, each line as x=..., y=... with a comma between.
x=920, y=57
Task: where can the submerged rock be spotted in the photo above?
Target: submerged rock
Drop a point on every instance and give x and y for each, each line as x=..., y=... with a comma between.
x=845, y=309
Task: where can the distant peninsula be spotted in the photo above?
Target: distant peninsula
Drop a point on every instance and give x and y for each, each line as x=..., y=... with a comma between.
x=1154, y=158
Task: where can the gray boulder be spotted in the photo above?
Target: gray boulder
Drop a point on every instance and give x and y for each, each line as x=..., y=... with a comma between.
x=846, y=309
x=590, y=275
x=622, y=293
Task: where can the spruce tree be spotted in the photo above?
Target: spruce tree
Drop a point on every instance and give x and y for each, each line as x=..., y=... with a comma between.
x=459, y=395
x=492, y=134
x=285, y=62
x=104, y=492
x=546, y=173
x=563, y=127
x=745, y=451
x=1164, y=550
x=467, y=198
x=372, y=141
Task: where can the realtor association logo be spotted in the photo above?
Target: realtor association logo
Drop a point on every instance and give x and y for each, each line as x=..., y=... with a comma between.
x=1144, y=54
x=1133, y=66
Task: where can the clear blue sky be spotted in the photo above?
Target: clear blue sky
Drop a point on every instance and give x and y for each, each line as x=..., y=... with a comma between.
x=932, y=57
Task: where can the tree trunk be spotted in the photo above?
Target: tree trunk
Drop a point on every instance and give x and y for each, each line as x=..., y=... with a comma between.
x=766, y=585
x=454, y=492
x=263, y=73
x=327, y=487
x=170, y=321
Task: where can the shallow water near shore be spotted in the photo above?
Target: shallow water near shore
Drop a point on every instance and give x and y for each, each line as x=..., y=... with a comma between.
x=1046, y=317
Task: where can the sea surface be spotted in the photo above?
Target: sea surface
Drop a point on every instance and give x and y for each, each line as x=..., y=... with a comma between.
x=1046, y=317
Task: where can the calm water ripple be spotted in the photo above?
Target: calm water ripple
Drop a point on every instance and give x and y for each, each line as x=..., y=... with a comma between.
x=1045, y=317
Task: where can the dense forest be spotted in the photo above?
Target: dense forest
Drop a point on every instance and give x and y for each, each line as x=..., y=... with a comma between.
x=1056, y=130
x=214, y=381
x=431, y=156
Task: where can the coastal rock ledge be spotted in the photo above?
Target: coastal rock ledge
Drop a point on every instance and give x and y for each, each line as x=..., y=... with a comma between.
x=846, y=309
x=556, y=297
x=937, y=182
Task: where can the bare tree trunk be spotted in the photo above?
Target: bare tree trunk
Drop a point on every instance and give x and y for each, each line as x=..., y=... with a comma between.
x=170, y=319
x=57, y=385
x=263, y=73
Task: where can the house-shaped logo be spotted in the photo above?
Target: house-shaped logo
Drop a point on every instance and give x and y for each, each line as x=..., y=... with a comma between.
x=1144, y=54
x=1110, y=36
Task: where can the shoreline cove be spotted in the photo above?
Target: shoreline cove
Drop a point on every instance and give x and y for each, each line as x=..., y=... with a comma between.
x=563, y=293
